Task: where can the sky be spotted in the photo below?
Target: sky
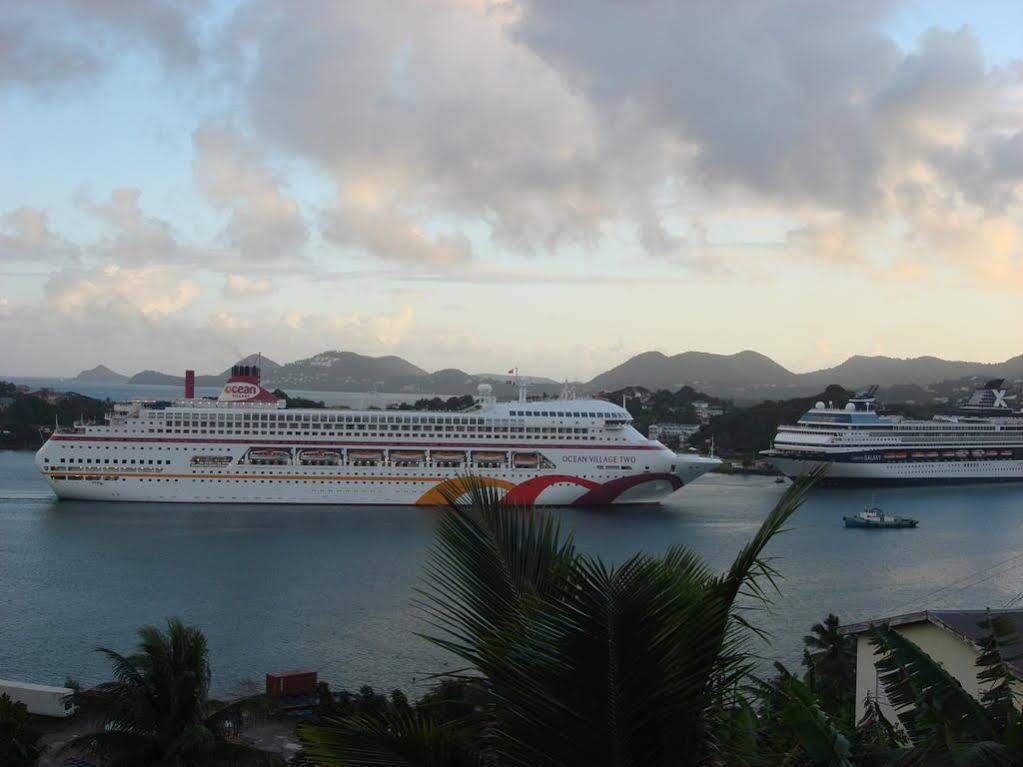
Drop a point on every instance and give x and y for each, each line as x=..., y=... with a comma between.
x=487, y=184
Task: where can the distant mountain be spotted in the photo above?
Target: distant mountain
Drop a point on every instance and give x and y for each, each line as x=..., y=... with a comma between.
x=347, y=371
x=749, y=376
x=744, y=377
x=655, y=370
x=156, y=378
x=101, y=374
x=889, y=371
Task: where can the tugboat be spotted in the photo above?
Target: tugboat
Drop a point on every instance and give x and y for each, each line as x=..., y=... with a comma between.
x=875, y=518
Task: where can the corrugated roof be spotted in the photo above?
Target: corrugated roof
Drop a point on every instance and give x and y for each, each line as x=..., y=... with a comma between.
x=965, y=624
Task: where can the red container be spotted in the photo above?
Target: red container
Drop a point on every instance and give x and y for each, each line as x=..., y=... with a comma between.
x=289, y=683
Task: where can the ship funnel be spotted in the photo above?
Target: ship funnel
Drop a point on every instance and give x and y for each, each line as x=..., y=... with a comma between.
x=189, y=384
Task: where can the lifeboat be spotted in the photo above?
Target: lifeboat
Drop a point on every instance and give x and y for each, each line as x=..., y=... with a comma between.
x=948, y=453
x=484, y=458
x=365, y=457
x=407, y=457
x=962, y=453
x=1005, y=453
x=979, y=453
x=447, y=457
x=270, y=456
x=526, y=460
x=319, y=457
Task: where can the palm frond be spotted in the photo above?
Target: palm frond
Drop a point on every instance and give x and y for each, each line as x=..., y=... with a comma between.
x=930, y=702
x=489, y=564
x=397, y=740
x=996, y=673
x=813, y=730
x=111, y=745
x=229, y=719
x=749, y=569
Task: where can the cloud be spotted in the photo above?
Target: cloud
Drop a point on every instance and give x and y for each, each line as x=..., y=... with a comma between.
x=150, y=291
x=393, y=237
x=265, y=223
x=239, y=286
x=353, y=331
x=27, y=236
x=423, y=111
x=135, y=238
x=51, y=44
x=35, y=55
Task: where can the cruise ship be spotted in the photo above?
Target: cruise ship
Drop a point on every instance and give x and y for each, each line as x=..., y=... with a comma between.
x=979, y=442
x=246, y=446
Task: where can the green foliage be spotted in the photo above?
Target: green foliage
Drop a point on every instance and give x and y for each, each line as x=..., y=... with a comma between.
x=830, y=661
x=571, y=661
x=437, y=404
x=794, y=729
x=748, y=430
x=297, y=402
x=19, y=741
x=389, y=740
x=157, y=710
x=29, y=412
x=648, y=407
x=996, y=676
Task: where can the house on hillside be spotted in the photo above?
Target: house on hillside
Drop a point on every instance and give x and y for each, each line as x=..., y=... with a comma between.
x=951, y=637
x=676, y=433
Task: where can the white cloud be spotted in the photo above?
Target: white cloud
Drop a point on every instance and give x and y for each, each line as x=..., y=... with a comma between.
x=48, y=45
x=239, y=286
x=265, y=223
x=150, y=291
x=27, y=236
x=135, y=238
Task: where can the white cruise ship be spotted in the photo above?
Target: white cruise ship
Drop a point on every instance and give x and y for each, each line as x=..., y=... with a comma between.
x=247, y=447
x=980, y=442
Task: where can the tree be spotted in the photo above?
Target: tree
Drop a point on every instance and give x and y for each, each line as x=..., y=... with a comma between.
x=157, y=710
x=574, y=661
x=830, y=661
x=19, y=741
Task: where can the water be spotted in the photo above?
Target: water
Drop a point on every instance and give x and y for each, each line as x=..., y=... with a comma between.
x=277, y=588
x=124, y=392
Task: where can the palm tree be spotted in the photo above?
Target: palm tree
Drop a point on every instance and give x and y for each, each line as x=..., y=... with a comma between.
x=576, y=662
x=156, y=711
x=830, y=660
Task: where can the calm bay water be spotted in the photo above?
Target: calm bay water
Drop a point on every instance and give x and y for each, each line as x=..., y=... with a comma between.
x=329, y=588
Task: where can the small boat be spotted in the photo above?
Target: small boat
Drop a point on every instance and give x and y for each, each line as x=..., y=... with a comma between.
x=779, y=480
x=875, y=518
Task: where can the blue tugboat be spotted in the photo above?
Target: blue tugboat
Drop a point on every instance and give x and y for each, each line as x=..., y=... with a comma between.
x=875, y=518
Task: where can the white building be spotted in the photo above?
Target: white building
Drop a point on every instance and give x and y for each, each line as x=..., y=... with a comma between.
x=667, y=432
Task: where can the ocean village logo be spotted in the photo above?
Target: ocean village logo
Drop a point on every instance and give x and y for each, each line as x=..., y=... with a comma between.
x=239, y=391
x=599, y=458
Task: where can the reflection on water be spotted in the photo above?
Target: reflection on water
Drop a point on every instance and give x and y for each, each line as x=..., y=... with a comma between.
x=330, y=588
